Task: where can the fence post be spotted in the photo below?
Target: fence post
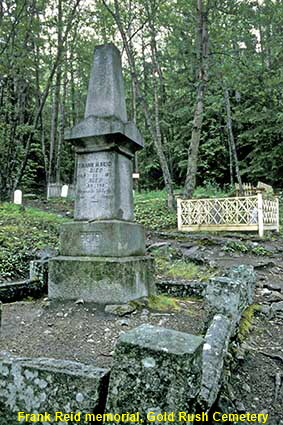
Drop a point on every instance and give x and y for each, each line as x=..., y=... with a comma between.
x=179, y=213
x=260, y=214
x=277, y=214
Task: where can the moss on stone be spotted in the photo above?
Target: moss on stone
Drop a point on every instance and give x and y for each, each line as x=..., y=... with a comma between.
x=246, y=321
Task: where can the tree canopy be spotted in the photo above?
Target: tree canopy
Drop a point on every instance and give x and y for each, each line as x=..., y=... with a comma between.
x=203, y=83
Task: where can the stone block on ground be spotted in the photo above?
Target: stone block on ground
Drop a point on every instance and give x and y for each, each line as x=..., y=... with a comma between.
x=48, y=385
x=119, y=309
x=230, y=295
x=215, y=348
x=155, y=370
x=105, y=280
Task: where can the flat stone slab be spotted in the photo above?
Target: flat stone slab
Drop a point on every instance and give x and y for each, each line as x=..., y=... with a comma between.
x=155, y=370
x=104, y=280
x=111, y=238
x=47, y=385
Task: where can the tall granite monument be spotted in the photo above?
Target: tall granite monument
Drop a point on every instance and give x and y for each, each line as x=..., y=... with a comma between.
x=102, y=252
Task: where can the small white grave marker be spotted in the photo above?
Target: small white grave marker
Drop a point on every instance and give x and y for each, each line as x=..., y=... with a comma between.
x=64, y=191
x=18, y=197
x=136, y=175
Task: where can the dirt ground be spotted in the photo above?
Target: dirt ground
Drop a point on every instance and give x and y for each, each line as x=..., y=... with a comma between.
x=83, y=332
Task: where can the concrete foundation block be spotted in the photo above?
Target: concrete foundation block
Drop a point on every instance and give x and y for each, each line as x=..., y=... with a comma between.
x=155, y=370
x=105, y=280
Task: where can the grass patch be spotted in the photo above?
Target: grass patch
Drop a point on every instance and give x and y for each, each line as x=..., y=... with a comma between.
x=23, y=231
x=180, y=269
x=163, y=303
x=168, y=304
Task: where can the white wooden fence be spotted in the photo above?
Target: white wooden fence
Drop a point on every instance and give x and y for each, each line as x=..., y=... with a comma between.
x=230, y=214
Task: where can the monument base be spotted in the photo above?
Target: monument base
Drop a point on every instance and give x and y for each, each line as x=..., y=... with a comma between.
x=104, y=280
x=106, y=238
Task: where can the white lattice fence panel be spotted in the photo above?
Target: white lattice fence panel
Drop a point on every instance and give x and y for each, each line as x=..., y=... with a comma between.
x=270, y=211
x=219, y=211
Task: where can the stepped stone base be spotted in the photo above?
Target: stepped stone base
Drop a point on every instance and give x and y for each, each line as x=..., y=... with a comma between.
x=104, y=280
x=107, y=238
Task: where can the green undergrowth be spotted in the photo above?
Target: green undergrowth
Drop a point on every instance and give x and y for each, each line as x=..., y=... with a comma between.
x=212, y=191
x=170, y=264
x=23, y=231
x=179, y=269
x=235, y=246
x=154, y=214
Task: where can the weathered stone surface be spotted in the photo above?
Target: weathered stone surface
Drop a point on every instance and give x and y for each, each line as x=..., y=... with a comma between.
x=104, y=187
x=85, y=135
x=106, y=89
x=230, y=295
x=47, y=385
x=155, y=370
x=105, y=112
x=104, y=280
x=276, y=308
x=119, y=309
x=45, y=253
x=102, y=238
x=215, y=348
x=245, y=275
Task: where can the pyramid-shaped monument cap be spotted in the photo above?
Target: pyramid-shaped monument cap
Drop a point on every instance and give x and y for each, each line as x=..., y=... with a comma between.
x=106, y=95
x=105, y=112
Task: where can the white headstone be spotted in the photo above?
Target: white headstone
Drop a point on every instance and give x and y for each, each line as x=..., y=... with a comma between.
x=64, y=191
x=18, y=197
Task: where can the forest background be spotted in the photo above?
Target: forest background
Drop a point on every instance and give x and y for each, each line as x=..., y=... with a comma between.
x=203, y=81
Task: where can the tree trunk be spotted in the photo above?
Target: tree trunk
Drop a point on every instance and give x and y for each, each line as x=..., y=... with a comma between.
x=202, y=76
x=61, y=130
x=231, y=139
x=158, y=146
x=39, y=109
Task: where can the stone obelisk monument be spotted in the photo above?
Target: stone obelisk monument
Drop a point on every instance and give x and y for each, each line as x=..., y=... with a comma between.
x=102, y=252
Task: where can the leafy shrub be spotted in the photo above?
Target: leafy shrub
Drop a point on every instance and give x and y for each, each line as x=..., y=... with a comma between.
x=155, y=215
x=23, y=231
